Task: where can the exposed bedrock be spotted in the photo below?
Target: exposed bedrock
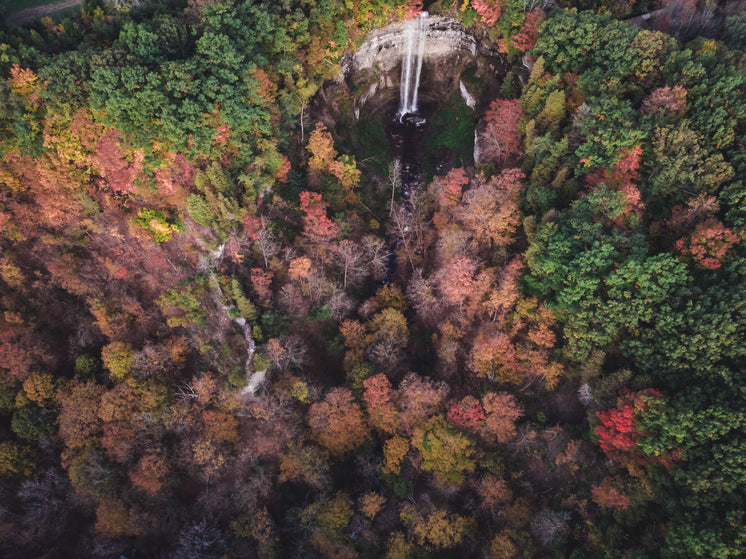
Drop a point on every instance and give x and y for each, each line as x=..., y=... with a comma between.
x=371, y=76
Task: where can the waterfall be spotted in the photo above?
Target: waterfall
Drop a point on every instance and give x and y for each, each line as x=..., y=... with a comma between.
x=416, y=32
x=476, y=147
x=466, y=96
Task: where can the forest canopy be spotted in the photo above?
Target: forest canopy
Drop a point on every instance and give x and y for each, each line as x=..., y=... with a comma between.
x=231, y=328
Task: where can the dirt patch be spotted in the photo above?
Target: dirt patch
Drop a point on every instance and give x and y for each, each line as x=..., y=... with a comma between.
x=41, y=11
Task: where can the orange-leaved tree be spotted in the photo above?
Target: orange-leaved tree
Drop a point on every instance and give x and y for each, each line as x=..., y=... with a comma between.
x=337, y=422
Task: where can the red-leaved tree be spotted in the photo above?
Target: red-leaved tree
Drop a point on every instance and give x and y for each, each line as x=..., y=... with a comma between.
x=498, y=138
x=318, y=227
x=708, y=244
x=526, y=39
x=261, y=281
x=619, y=434
x=489, y=10
x=467, y=413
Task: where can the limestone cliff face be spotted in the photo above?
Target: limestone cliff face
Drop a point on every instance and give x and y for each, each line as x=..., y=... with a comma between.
x=383, y=49
x=374, y=69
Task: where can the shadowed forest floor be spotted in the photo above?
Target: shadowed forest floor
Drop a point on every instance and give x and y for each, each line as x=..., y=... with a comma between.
x=41, y=11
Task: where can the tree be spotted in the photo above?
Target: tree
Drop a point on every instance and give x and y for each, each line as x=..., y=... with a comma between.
x=708, y=244
x=379, y=401
x=493, y=492
x=220, y=426
x=494, y=355
x=438, y=530
x=608, y=494
x=337, y=422
x=619, y=432
x=321, y=147
x=113, y=519
x=623, y=176
x=118, y=358
x=445, y=452
x=286, y=352
x=78, y=416
x=447, y=191
x=317, y=226
x=305, y=464
x=668, y=100
x=685, y=164
x=40, y=388
x=489, y=10
x=395, y=450
x=326, y=520
x=502, y=547
x=503, y=298
x=16, y=461
x=261, y=281
x=31, y=423
x=498, y=137
x=352, y=262
x=490, y=211
x=525, y=40
x=389, y=335
x=466, y=414
x=456, y=279
x=371, y=504
x=420, y=398
x=346, y=172
x=501, y=410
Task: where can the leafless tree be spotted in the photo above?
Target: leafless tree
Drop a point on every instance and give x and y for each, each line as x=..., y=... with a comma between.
x=267, y=243
x=377, y=255
x=287, y=352
x=351, y=261
x=394, y=181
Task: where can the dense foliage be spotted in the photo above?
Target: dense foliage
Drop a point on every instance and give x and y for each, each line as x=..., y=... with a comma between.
x=226, y=332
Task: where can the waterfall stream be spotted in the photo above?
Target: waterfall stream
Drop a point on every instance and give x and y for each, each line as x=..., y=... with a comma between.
x=412, y=65
x=254, y=379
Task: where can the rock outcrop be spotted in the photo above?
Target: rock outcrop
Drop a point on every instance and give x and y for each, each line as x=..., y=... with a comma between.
x=374, y=70
x=383, y=48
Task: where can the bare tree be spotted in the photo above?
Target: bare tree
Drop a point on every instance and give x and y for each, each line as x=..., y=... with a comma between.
x=402, y=226
x=352, y=262
x=286, y=352
x=377, y=255
x=266, y=243
x=394, y=181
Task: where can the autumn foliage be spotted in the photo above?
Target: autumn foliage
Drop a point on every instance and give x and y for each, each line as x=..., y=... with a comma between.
x=318, y=227
x=623, y=176
x=498, y=136
x=379, y=400
x=525, y=40
x=489, y=10
x=337, y=422
x=609, y=494
x=619, y=433
x=243, y=314
x=708, y=244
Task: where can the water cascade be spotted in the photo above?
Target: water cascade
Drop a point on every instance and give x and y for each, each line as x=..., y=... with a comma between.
x=412, y=65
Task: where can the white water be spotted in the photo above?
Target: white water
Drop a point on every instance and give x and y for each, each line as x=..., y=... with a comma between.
x=466, y=96
x=476, y=148
x=254, y=379
x=411, y=67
